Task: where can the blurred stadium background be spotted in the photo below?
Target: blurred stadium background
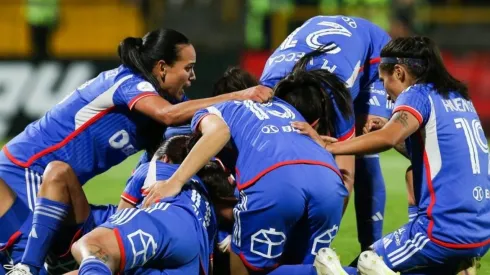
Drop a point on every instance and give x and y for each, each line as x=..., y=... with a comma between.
x=49, y=47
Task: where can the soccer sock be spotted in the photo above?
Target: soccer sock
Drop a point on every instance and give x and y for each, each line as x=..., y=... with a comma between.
x=370, y=200
x=294, y=270
x=93, y=266
x=47, y=221
x=412, y=212
x=13, y=219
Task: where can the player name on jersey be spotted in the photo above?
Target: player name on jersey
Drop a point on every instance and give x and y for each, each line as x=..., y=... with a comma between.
x=458, y=105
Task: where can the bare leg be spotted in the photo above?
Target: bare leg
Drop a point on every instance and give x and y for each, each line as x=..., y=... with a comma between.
x=60, y=202
x=100, y=243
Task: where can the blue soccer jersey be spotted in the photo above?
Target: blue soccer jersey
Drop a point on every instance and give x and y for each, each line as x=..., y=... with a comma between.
x=92, y=129
x=265, y=139
x=356, y=45
x=449, y=155
x=193, y=194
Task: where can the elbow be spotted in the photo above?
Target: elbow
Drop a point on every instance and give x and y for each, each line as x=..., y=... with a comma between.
x=225, y=133
x=390, y=140
x=167, y=116
x=220, y=132
x=394, y=141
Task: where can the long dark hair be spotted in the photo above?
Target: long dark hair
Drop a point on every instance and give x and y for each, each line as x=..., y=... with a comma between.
x=234, y=79
x=430, y=66
x=313, y=93
x=141, y=54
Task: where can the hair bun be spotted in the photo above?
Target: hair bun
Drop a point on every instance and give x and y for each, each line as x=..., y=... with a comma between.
x=133, y=42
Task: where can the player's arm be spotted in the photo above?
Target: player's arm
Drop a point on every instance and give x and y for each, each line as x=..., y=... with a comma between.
x=373, y=123
x=170, y=114
x=400, y=127
x=124, y=204
x=215, y=135
x=347, y=166
x=132, y=195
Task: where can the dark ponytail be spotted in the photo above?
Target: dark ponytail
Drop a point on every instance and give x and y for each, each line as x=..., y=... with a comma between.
x=313, y=93
x=234, y=79
x=423, y=60
x=141, y=54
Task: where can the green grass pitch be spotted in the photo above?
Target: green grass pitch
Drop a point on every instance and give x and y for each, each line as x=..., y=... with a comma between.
x=107, y=187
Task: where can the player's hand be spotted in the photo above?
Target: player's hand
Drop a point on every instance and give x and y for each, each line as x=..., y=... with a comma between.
x=258, y=93
x=160, y=190
x=306, y=129
x=373, y=124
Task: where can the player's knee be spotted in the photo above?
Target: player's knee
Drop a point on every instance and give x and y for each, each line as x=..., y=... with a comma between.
x=56, y=172
x=101, y=243
x=75, y=251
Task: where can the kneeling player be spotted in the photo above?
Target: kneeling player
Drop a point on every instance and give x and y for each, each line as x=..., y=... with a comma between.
x=173, y=236
x=434, y=113
x=291, y=192
x=85, y=216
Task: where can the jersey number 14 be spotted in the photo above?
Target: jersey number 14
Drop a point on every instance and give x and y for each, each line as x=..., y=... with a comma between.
x=473, y=138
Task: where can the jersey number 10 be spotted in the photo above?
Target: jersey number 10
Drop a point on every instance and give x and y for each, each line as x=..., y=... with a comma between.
x=473, y=137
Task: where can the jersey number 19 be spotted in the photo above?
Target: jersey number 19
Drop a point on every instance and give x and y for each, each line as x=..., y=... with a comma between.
x=473, y=137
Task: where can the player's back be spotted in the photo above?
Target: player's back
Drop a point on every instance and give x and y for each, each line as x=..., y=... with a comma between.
x=355, y=43
x=265, y=139
x=193, y=198
x=92, y=129
x=450, y=159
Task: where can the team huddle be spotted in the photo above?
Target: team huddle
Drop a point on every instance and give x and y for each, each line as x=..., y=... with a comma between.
x=262, y=171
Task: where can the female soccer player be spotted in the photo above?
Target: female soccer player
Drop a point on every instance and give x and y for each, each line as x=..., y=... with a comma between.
x=175, y=236
x=291, y=191
x=99, y=125
x=354, y=45
x=449, y=155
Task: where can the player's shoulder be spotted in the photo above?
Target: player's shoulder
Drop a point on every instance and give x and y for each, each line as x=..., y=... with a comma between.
x=419, y=89
x=132, y=80
x=142, y=169
x=165, y=170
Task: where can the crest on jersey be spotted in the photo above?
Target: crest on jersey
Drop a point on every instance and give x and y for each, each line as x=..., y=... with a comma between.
x=143, y=246
x=145, y=86
x=268, y=243
x=324, y=239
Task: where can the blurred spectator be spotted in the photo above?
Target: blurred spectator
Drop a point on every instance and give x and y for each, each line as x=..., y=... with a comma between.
x=42, y=17
x=403, y=18
x=151, y=13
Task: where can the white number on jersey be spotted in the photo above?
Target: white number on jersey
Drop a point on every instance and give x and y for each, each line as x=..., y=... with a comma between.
x=120, y=140
x=331, y=28
x=473, y=138
x=262, y=113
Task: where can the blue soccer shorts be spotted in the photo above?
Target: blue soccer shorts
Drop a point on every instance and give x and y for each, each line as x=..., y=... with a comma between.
x=287, y=216
x=163, y=237
x=410, y=251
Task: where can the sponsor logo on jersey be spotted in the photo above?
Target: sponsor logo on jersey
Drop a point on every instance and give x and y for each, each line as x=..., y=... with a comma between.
x=479, y=193
x=373, y=101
